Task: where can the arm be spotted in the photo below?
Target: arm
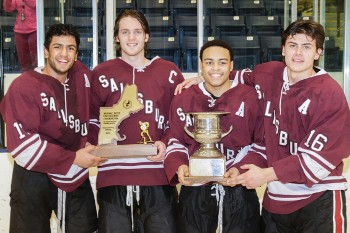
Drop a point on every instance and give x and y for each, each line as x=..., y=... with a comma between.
x=9, y=5
x=177, y=151
x=325, y=145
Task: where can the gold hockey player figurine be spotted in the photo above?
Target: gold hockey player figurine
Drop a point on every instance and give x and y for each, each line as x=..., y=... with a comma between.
x=144, y=132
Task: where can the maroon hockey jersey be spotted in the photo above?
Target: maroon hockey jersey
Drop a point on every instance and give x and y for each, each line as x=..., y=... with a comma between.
x=307, y=131
x=156, y=84
x=245, y=117
x=47, y=122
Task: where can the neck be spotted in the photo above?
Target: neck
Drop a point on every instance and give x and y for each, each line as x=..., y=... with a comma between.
x=136, y=61
x=60, y=77
x=219, y=90
x=295, y=77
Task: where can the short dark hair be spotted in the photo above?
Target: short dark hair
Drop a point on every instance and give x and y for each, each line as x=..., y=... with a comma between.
x=308, y=27
x=219, y=43
x=61, y=30
x=133, y=14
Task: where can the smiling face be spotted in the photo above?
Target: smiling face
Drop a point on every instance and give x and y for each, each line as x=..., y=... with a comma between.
x=131, y=37
x=216, y=67
x=60, y=56
x=300, y=52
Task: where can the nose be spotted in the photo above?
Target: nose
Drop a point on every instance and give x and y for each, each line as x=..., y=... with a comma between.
x=64, y=50
x=298, y=50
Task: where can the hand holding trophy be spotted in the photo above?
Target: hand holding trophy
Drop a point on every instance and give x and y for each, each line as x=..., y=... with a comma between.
x=207, y=163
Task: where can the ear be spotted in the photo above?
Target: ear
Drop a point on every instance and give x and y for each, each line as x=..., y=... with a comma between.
x=283, y=52
x=46, y=53
x=231, y=66
x=146, y=37
x=76, y=57
x=318, y=54
x=117, y=39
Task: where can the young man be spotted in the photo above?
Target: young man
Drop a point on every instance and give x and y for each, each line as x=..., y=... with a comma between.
x=46, y=112
x=307, y=128
x=198, y=205
x=133, y=193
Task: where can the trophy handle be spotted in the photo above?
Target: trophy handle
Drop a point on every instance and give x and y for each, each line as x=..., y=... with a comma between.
x=229, y=131
x=188, y=132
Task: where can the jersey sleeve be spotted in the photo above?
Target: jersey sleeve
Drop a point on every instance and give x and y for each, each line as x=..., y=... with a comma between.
x=9, y=5
x=22, y=113
x=256, y=152
x=321, y=152
x=95, y=103
x=175, y=80
x=176, y=152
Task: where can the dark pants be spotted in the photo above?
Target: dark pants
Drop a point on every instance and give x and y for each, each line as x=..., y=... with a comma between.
x=156, y=211
x=26, y=50
x=199, y=210
x=33, y=197
x=321, y=216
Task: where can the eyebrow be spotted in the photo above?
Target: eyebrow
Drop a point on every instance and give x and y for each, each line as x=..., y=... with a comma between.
x=291, y=42
x=70, y=45
x=211, y=59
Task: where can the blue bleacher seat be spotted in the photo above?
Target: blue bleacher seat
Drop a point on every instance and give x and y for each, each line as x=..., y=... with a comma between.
x=82, y=23
x=275, y=7
x=183, y=7
x=125, y=4
x=165, y=47
x=10, y=58
x=153, y=7
x=249, y=7
x=229, y=25
x=85, y=51
x=189, y=54
x=271, y=48
x=332, y=55
x=186, y=25
x=219, y=7
x=80, y=7
x=246, y=50
x=264, y=25
x=161, y=25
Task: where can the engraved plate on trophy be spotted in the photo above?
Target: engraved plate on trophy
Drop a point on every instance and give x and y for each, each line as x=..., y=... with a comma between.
x=111, y=118
x=207, y=163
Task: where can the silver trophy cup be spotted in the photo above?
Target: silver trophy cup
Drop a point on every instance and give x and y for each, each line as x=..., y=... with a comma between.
x=207, y=162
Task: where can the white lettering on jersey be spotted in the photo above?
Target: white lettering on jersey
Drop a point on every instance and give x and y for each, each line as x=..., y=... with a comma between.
x=258, y=90
x=229, y=153
x=189, y=121
x=303, y=108
x=48, y=102
x=267, y=109
x=44, y=99
x=160, y=122
x=317, y=141
x=172, y=73
x=105, y=83
x=240, y=111
x=68, y=120
x=87, y=82
x=18, y=127
x=181, y=114
x=148, y=106
x=283, y=140
x=52, y=104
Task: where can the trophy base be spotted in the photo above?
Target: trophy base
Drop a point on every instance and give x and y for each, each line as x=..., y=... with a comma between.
x=205, y=179
x=207, y=166
x=112, y=151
